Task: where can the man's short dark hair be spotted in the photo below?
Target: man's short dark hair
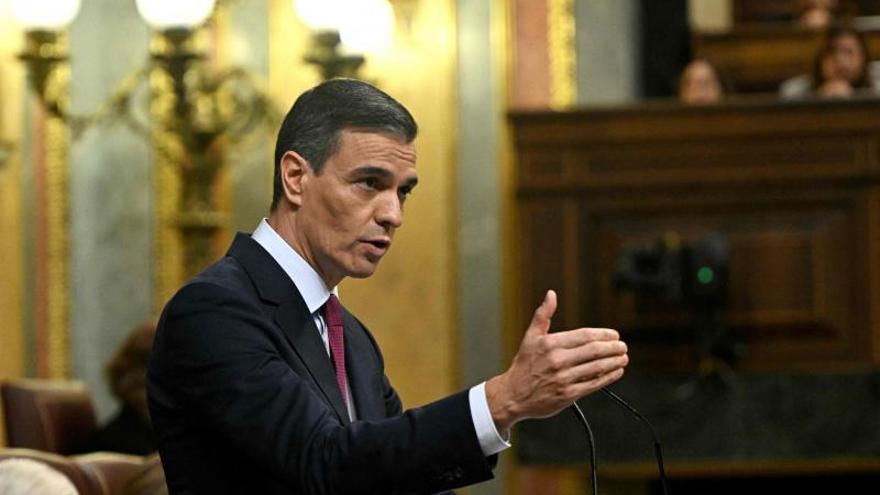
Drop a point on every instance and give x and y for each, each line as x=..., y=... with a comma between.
x=313, y=125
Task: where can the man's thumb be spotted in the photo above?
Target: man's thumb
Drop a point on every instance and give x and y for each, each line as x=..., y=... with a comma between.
x=541, y=320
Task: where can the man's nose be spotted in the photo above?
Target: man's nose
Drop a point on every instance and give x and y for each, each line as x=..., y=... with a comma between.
x=389, y=213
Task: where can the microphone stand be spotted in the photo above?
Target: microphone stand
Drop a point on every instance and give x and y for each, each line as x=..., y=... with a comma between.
x=658, y=451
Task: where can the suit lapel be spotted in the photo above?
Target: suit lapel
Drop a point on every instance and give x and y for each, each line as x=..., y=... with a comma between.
x=292, y=316
x=299, y=328
x=362, y=370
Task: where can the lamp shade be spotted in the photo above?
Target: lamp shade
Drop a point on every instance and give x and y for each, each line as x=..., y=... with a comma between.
x=168, y=14
x=367, y=26
x=321, y=15
x=49, y=15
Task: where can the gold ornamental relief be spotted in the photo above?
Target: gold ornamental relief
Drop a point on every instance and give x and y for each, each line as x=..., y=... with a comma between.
x=57, y=351
x=561, y=30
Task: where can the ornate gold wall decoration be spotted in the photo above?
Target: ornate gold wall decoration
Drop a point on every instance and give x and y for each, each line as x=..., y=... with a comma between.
x=44, y=52
x=186, y=163
x=6, y=148
x=57, y=350
x=196, y=113
x=52, y=299
x=12, y=297
x=561, y=31
x=168, y=271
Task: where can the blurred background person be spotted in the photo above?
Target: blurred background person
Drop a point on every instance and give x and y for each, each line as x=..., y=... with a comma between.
x=701, y=83
x=30, y=477
x=840, y=69
x=817, y=14
x=130, y=431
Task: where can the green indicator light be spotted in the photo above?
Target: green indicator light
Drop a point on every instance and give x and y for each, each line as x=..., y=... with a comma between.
x=705, y=275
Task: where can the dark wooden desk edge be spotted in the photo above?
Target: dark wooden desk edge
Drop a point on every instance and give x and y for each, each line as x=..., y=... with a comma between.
x=737, y=468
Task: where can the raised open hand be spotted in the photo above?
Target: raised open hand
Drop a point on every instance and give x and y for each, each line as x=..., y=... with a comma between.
x=552, y=370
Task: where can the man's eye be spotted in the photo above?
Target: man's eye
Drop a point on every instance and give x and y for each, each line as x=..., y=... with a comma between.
x=403, y=192
x=368, y=183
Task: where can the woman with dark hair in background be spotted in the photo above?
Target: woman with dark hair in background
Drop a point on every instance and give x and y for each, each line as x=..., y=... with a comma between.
x=129, y=431
x=840, y=68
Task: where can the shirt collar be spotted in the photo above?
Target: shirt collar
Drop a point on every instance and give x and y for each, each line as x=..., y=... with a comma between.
x=307, y=281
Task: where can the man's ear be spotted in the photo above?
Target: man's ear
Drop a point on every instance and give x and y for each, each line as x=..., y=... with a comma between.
x=294, y=172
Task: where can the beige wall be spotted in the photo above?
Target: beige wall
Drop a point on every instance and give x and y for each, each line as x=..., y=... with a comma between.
x=410, y=303
x=711, y=15
x=11, y=283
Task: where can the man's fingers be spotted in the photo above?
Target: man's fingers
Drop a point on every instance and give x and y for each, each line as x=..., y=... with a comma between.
x=593, y=351
x=592, y=370
x=581, y=389
x=541, y=320
x=581, y=336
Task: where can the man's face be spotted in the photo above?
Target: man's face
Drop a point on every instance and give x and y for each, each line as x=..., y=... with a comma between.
x=349, y=212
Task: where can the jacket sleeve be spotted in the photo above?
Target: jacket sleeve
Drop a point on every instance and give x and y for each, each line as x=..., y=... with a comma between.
x=217, y=357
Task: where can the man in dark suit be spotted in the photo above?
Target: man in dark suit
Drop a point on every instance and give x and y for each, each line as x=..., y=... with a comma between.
x=260, y=382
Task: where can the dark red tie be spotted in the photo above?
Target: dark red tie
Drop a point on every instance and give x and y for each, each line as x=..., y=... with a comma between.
x=333, y=319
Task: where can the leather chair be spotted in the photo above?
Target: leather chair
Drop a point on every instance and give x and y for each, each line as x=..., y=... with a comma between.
x=54, y=416
x=116, y=473
x=100, y=473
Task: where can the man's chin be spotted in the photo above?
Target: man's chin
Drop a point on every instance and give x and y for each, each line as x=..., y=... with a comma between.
x=364, y=271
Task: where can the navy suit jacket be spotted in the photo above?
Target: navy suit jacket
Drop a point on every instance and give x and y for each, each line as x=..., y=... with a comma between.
x=243, y=398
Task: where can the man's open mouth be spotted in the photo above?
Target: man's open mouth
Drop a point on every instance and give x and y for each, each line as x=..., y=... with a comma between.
x=379, y=243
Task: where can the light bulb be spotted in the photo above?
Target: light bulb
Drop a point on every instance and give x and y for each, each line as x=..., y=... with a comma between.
x=48, y=15
x=168, y=14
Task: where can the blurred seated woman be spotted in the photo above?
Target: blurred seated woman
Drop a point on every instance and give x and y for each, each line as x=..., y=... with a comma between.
x=130, y=431
x=701, y=84
x=840, y=69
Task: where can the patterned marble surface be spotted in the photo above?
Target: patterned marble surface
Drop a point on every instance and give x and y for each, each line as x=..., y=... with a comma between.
x=743, y=417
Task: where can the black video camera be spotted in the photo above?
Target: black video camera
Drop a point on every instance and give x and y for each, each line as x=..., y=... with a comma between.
x=690, y=274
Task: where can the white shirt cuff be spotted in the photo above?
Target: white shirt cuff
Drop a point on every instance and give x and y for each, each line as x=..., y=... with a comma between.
x=490, y=440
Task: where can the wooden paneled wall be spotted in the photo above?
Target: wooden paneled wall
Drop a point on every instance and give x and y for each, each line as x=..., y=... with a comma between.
x=794, y=187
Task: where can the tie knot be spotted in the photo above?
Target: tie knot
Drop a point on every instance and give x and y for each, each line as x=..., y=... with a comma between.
x=333, y=311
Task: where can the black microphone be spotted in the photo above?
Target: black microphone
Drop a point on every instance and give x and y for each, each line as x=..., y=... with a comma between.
x=658, y=452
x=592, y=441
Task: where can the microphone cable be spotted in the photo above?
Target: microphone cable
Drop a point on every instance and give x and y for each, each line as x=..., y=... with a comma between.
x=658, y=453
x=592, y=441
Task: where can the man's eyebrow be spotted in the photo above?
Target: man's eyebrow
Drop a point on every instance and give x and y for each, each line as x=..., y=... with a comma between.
x=373, y=171
x=368, y=170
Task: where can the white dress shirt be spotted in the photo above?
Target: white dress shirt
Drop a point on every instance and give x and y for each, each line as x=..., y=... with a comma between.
x=315, y=293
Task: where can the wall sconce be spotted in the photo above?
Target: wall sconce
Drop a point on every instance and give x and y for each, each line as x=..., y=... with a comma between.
x=206, y=106
x=344, y=31
x=46, y=47
x=191, y=107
